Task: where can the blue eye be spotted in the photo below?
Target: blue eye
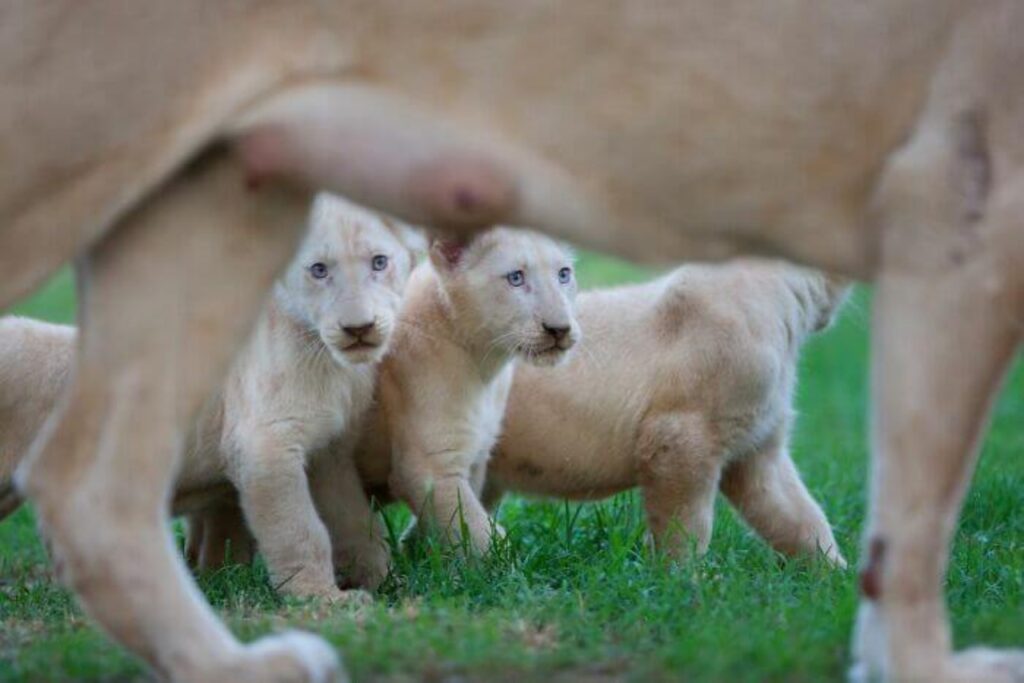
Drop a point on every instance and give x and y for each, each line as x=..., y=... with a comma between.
x=379, y=262
x=516, y=278
x=565, y=275
x=318, y=271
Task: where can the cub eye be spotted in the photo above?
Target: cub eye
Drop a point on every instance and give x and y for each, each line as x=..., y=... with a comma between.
x=516, y=278
x=379, y=262
x=318, y=271
x=565, y=275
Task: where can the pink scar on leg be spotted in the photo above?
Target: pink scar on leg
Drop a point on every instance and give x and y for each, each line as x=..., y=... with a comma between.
x=870, y=576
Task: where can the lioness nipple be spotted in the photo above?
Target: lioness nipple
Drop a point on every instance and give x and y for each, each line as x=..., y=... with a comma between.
x=463, y=194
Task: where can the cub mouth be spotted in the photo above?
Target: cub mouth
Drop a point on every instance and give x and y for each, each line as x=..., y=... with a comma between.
x=360, y=345
x=544, y=354
x=358, y=352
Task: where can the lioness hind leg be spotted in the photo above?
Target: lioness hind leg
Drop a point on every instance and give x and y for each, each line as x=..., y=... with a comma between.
x=166, y=298
x=940, y=352
x=767, y=491
x=947, y=320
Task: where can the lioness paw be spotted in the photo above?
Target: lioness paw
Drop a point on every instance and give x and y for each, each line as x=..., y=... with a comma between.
x=290, y=657
x=988, y=664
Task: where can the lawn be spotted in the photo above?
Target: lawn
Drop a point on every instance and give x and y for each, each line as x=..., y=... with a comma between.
x=572, y=594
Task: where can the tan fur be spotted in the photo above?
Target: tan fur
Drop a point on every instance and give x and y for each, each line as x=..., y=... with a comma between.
x=444, y=385
x=883, y=139
x=682, y=385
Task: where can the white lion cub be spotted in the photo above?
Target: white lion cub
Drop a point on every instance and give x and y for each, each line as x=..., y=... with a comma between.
x=469, y=313
x=305, y=377
x=685, y=388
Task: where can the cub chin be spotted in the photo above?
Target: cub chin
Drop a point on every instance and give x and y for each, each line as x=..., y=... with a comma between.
x=470, y=313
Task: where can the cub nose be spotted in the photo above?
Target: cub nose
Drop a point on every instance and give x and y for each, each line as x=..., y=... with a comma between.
x=557, y=332
x=358, y=331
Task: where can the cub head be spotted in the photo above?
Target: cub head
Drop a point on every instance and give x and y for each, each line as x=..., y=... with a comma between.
x=514, y=292
x=347, y=280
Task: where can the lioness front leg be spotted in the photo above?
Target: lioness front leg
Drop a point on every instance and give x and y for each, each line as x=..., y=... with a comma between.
x=275, y=498
x=164, y=302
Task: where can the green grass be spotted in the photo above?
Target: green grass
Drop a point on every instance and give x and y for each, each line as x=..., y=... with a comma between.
x=572, y=595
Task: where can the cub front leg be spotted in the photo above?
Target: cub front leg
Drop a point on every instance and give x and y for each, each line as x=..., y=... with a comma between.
x=217, y=537
x=488, y=495
x=361, y=555
x=274, y=493
x=437, y=487
x=679, y=470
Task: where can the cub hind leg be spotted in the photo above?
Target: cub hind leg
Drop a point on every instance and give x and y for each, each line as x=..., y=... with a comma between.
x=766, y=489
x=217, y=537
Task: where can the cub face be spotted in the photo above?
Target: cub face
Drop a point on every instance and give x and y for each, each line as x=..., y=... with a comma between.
x=347, y=280
x=517, y=288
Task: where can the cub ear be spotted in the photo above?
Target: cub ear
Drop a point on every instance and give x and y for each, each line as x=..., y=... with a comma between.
x=447, y=252
x=411, y=237
x=836, y=292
